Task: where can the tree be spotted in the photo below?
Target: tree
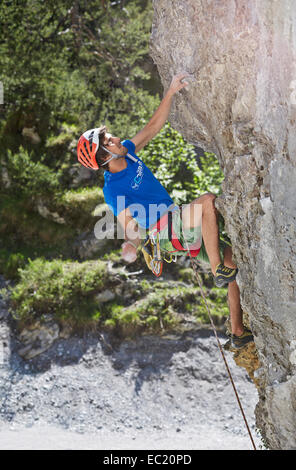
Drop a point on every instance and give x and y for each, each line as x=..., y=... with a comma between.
x=76, y=62
x=174, y=163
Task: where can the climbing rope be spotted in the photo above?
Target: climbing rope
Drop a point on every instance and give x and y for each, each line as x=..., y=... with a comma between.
x=219, y=344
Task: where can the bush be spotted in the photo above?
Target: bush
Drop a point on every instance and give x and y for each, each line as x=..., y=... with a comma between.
x=82, y=201
x=162, y=308
x=63, y=288
x=10, y=263
x=28, y=178
x=174, y=163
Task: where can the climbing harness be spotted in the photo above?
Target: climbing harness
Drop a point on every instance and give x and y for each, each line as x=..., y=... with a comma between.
x=153, y=254
x=219, y=344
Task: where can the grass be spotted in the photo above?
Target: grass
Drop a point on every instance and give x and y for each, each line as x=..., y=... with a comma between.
x=79, y=205
x=162, y=308
x=68, y=290
x=26, y=234
x=64, y=289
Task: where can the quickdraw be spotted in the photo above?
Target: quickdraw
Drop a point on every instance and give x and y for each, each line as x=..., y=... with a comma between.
x=153, y=254
x=151, y=249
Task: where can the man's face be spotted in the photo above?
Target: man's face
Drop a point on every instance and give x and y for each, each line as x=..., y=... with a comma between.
x=113, y=144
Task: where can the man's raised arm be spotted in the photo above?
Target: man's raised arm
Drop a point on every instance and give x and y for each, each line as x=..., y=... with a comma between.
x=160, y=116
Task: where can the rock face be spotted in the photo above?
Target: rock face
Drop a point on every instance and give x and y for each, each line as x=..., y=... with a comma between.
x=38, y=338
x=242, y=106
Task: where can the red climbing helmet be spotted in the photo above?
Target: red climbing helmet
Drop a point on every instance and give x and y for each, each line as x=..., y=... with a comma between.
x=87, y=147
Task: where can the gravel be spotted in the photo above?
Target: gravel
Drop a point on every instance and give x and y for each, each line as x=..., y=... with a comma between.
x=91, y=392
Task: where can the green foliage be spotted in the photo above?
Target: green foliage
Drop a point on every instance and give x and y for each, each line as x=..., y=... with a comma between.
x=78, y=206
x=162, y=307
x=113, y=57
x=68, y=66
x=217, y=303
x=30, y=29
x=64, y=289
x=68, y=289
x=10, y=263
x=84, y=199
x=28, y=178
x=173, y=161
x=23, y=230
x=82, y=63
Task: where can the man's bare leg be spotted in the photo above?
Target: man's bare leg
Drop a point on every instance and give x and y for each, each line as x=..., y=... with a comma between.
x=210, y=229
x=236, y=313
x=210, y=232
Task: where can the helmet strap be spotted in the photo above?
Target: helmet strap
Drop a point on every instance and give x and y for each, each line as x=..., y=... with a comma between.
x=114, y=155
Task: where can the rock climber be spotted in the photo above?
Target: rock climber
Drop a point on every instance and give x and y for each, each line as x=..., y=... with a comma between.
x=131, y=190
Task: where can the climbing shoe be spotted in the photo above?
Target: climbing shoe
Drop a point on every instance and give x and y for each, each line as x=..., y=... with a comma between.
x=227, y=345
x=224, y=275
x=238, y=342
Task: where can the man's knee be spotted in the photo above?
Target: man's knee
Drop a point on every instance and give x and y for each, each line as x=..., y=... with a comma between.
x=210, y=196
x=208, y=201
x=207, y=198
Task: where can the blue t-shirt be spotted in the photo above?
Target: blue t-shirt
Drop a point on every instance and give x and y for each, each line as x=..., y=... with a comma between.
x=136, y=188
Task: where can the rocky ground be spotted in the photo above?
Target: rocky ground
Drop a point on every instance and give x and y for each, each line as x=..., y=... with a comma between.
x=91, y=392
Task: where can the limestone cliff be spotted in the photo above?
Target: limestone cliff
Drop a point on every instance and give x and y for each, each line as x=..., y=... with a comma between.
x=242, y=106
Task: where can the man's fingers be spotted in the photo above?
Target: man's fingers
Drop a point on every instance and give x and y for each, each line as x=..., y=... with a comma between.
x=179, y=76
x=181, y=80
x=129, y=253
